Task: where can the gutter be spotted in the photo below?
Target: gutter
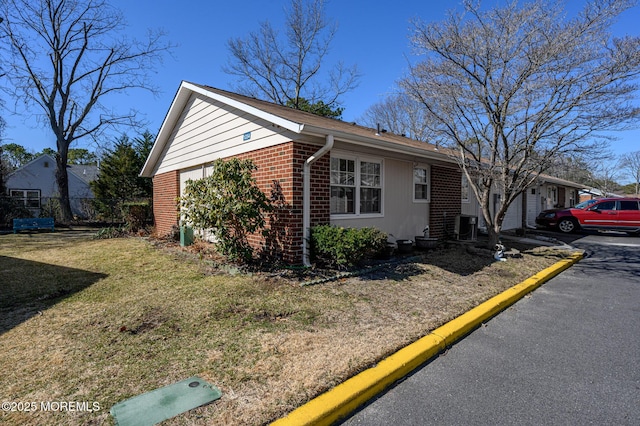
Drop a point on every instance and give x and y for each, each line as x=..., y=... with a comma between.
x=306, y=197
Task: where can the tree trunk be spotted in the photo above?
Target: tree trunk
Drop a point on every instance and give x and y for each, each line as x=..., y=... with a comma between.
x=494, y=237
x=62, y=179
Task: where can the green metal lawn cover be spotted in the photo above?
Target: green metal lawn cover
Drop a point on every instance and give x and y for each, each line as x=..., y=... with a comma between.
x=161, y=404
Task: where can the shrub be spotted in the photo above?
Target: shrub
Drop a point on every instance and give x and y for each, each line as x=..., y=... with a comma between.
x=52, y=208
x=229, y=204
x=110, y=232
x=345, y=247
x=11, y=208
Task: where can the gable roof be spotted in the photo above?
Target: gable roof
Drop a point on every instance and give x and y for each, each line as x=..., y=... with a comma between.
x=84, y=172
x=31, y=162
x=297, y=121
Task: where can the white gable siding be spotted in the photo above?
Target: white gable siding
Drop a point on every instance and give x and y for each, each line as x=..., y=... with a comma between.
x=208, y=130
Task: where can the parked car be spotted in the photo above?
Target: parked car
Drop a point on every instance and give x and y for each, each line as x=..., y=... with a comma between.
x=618, y=214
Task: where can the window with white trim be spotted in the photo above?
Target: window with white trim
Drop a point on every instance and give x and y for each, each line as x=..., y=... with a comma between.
x=464, y=185
x=421, y=184
x=356, y=186
x=29, y=197
x=343, y=186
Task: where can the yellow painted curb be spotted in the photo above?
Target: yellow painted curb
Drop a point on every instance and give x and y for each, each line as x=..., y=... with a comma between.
x=342, y=400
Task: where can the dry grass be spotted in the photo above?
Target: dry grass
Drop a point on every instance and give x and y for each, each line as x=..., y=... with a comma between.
x=104, y=320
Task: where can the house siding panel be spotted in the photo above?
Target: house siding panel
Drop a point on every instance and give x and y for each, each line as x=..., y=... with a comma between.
x=209, y=130
x=403, y=218
x=513, y=217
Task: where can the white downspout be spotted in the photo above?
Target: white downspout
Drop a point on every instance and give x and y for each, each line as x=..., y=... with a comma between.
x=306, y=197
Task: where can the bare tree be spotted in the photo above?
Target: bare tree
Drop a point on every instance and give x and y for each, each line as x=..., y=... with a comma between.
x=65, y=57
x=399, y=114
x=510, y=88
x=4, y=166
x=605, y=174
x=286, y=70
x=631, y=164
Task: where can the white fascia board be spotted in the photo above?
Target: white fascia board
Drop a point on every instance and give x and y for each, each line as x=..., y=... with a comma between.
x=558, y=181
x=175, y=110
x=377, y=143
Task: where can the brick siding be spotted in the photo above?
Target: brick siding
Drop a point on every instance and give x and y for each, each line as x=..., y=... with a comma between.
x=166, y=189
x=279, y=176
x=445, y=200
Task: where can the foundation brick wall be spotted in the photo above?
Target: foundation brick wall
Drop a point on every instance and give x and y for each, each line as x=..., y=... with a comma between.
x=446, y=186
x=166, y=189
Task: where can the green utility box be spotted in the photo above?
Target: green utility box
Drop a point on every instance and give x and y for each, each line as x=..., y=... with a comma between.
x=164, y=403
x=186, y=236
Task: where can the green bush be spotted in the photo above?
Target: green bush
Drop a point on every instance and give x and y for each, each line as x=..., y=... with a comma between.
x=230, y=204
x=10, y=209
x=344, y=247
x=110, y=232
x=136, y=214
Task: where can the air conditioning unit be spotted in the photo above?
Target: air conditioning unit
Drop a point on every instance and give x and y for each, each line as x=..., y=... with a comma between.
x=466, y=227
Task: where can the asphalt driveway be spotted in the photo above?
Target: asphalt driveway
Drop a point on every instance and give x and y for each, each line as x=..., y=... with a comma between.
x=567, y=354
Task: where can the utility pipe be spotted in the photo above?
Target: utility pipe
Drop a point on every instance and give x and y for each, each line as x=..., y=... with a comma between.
x=306, y=197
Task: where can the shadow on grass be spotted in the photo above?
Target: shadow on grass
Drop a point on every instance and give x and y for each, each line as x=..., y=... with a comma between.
x=454, y=259
x=28, y=287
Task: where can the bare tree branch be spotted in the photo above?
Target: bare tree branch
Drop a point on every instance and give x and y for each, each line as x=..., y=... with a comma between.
x=287, y=69
x=630, y=162
x=66, y=57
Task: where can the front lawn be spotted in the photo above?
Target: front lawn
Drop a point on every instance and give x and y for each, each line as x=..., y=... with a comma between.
x=104, y=320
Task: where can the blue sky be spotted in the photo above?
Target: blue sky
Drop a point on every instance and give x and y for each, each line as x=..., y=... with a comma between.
x=372, y=34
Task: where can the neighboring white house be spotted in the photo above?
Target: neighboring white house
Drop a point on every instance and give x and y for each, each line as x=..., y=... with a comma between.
x=35, y=184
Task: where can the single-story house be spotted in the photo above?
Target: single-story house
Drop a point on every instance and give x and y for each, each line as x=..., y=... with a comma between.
x=326, y=170
x=323, y=170
x=35, y=184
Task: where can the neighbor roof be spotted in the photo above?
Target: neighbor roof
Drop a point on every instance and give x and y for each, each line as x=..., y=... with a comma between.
x=86, y=172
